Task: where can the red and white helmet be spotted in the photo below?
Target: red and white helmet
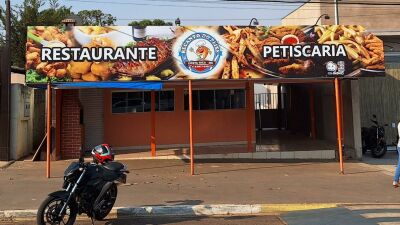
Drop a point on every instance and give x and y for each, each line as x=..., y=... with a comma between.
x=102, y=153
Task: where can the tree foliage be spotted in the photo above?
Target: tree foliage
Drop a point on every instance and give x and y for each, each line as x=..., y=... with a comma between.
x=43, y=13
x=156, y=22
x=51, y=13
x=96, y=17
x=30, y=13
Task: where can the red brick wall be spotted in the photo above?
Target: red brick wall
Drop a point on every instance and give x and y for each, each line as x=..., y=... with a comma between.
x=71, y=132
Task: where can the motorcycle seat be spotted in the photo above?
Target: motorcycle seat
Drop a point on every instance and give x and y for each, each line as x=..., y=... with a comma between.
x=114, y=166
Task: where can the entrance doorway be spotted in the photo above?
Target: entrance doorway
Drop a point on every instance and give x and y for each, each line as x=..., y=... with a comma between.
x=284, y=117
x=269, y=102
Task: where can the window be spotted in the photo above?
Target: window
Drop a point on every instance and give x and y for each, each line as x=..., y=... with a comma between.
x=165, y=100
x=216, y=99
x=136, y=101
x=224, y=99
x=206, y=99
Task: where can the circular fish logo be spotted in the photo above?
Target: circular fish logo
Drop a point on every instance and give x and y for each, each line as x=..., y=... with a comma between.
x=200, y=52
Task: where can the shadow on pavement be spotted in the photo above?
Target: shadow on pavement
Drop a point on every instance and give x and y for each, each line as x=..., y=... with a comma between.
x=335, y=216
x=362, y=172
x=341, y=216
x=186, y=202
x=152, y=221
x=235, y=220
x=159, y=167
x=178, y=203
x=264, y=167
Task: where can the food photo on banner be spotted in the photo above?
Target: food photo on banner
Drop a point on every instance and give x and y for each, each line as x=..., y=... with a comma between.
x=153, y=53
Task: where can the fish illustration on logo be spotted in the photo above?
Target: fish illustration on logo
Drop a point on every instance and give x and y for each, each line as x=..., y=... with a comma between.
x=200, y=52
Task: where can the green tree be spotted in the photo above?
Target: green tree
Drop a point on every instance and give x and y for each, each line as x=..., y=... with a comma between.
x=156, y=22
x=30, y=13
x=96, y=17
x=34, y=13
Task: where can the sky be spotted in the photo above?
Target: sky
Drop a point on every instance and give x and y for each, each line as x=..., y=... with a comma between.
x=190, y=12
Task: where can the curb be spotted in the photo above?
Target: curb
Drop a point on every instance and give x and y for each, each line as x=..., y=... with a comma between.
x=187, y=210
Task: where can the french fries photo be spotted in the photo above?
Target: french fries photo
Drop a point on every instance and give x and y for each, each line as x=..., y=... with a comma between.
x=246, y=46
x=363, y=49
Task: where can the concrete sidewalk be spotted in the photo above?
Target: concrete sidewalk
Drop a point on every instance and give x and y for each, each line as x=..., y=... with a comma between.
x=387, y=163
x=168, y=183
x=4, y=164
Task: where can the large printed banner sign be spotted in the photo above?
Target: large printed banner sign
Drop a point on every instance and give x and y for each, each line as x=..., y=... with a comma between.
x=124, y=53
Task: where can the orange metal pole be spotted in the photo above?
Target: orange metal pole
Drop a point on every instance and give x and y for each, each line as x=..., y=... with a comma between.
x=341, y=109
x=153, y=124
x=339, y=122
x=49, y=117
x=249, y=116
x=312, y=113
x=191, y=129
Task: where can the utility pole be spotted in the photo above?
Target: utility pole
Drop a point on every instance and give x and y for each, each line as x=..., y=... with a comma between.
x=8, y=21
x=336, y=12
x=5, y=78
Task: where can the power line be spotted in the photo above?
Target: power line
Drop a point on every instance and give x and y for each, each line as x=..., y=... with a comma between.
x=216, y=2
x=246, y=19
x=320, y=2
x=272, y=2
x=260, y=3
x=169, y=5
x=252, y=3
x=230, y=7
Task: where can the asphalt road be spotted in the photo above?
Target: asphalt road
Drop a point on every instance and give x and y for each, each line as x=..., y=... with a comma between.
x=233, y=220
x=361, y=214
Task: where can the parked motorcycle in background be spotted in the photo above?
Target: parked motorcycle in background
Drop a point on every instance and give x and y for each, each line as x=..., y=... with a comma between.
x=89, y=187
x=373, y=139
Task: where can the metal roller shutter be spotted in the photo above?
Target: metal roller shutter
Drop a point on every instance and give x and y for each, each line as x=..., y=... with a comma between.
x=93, y=116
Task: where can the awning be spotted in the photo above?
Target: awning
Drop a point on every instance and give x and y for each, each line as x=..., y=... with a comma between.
x=107, y=84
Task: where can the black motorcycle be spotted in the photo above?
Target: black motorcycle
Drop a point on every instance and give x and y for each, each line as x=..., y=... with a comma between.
x=88, y=188
x=373, y=139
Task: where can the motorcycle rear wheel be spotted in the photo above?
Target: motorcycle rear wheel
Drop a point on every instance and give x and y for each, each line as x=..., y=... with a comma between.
x=379, y=151
x=109, y=197
x=49, y=209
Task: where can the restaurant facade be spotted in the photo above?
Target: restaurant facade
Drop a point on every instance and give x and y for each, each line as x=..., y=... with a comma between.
x=152, y=88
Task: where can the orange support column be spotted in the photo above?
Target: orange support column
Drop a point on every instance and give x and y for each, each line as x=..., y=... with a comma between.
x=341, y=110
x=191, y=129
x=153, y=124
x=49, y=117
x=249, y=110
x=338, y=96
x=312, y=113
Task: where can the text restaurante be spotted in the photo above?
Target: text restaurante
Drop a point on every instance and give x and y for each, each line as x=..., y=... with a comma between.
x=99, y=54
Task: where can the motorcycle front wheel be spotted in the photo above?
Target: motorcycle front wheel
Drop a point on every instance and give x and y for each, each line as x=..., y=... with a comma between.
x=107, y=201
x=49, y=210
x=379, y=151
